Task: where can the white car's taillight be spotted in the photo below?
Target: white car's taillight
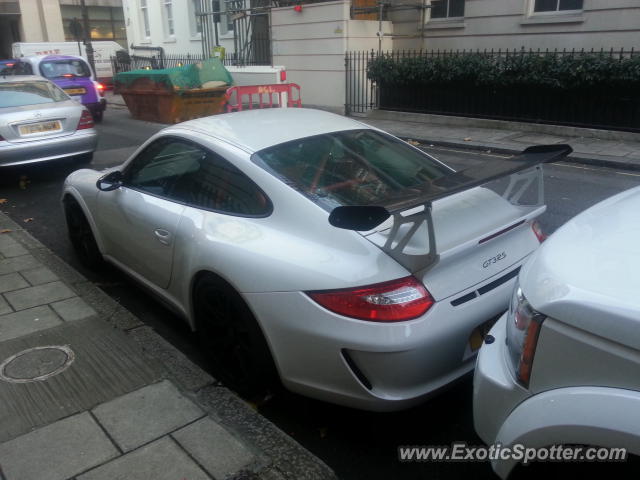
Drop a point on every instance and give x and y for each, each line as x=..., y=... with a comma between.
x=523, y=328
x=394, y=301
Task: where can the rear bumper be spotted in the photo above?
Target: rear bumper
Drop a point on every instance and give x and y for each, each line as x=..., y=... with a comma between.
x=369, y=365
x=78, y=143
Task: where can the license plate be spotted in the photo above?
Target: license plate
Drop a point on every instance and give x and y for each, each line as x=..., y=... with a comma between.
x=40, y=127
x=75, y=91
x=477, y=337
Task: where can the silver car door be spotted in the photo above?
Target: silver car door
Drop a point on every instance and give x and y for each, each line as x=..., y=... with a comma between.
x=138, y=221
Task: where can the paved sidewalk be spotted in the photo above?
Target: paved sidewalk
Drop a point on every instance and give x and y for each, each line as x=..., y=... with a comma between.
x=87, y=392
x=611, y=149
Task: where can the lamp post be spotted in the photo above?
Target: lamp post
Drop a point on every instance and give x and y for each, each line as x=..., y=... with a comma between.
x=87, y=36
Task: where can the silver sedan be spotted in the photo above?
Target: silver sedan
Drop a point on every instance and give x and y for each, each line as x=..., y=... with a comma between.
x=39, y=122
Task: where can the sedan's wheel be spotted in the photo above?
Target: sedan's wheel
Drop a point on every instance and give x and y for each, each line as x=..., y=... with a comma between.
x=82, y=239
x=233, y=339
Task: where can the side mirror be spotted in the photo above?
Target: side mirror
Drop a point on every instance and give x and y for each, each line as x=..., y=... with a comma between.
x=110, y=181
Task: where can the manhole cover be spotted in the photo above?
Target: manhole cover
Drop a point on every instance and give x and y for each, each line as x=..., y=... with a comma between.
x=36, y=364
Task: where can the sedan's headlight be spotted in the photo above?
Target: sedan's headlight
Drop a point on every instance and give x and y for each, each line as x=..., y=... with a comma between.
x=523, y=328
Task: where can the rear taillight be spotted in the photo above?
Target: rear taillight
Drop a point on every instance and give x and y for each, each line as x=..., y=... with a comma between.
x=100, y=89
x=86, y=120
x=394, y=301
x=537, y=229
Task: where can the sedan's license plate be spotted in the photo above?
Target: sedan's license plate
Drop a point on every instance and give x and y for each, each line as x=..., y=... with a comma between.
x=75, y=91
x=477, y=337
x=40, y=127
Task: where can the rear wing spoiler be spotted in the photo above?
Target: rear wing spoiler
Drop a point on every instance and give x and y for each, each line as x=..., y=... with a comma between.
x=522, y=171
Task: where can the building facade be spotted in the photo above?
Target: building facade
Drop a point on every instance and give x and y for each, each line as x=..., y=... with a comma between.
x=529, y=24
x=49, y=21
x=174, y=24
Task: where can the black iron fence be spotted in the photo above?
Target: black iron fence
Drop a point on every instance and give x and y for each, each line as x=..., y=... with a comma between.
x=126, y=63
x=610, y=106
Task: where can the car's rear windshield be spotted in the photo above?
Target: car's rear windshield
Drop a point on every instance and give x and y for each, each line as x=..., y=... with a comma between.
x=67, y=68
x=18, y=94
x=354, y=167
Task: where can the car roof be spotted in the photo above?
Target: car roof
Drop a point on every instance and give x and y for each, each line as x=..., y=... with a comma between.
x=254, y=130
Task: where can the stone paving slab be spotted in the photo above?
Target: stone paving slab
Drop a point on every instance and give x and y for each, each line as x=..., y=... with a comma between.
x=106, y=365
x=219, y=452
x=146, y=414
x=15, y=264
x=160, y=460
x=58, y=451
x=73, y=309
x=38, y=276
x=24, y=322
x=12, y=281
x=39, y=295
x=4, y=306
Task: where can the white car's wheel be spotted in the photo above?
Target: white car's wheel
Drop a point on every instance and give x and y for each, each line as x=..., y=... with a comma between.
x=233, y=339
x=82, y=239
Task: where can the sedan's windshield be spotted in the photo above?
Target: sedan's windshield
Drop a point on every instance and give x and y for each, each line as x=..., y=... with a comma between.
x=355, y=167
x=18, y=94
x=68, y=68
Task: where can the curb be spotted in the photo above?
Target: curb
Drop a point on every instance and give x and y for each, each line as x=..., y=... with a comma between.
x=279, y=456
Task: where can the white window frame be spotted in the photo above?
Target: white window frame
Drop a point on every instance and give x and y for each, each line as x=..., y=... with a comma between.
x=557, y=11
x=194, y=21
x=144, y=18
x=169, y=20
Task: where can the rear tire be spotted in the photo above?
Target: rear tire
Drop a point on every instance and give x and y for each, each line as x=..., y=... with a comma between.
x=233, y=339
x=81, y=236
x=97, y=115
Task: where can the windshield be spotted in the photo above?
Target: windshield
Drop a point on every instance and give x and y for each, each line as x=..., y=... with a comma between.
x=355, y=167
x=18, y=94
x=68, y=68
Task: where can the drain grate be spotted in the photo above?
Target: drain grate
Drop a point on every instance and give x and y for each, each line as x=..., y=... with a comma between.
x=36, y=364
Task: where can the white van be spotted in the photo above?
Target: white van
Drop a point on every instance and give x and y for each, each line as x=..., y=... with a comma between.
x=102, y=53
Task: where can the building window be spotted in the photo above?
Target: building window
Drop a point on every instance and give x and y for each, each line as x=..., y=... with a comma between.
x=447, y=8
x=226, y=23
x=556, y=5
x=105, y=23
x=168, y=17
x=145, y=18
x=196, y=21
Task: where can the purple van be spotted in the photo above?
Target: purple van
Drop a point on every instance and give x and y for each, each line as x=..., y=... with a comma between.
x=70, y=73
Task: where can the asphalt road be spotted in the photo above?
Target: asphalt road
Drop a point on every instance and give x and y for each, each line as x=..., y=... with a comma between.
x=355, y=444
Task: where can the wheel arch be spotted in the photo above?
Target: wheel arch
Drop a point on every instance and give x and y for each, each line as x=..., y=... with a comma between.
x=573, y=415
x=72, y=195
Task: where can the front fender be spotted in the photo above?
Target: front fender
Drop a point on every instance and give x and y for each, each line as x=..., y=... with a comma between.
x=597, y=416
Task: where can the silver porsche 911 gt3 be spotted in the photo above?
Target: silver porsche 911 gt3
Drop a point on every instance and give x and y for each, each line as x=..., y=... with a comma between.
x=311, y=249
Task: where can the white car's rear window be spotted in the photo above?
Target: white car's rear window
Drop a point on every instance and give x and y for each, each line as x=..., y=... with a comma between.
x=353, y=167
x=18, y=94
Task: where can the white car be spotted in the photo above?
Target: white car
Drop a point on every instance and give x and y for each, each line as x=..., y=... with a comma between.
x=562, y=366
x=310, y=247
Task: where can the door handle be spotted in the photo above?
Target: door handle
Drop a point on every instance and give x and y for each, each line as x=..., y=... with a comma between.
x=163, y=236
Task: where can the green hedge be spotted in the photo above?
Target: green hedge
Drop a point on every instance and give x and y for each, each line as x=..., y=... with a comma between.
x=557, y=72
